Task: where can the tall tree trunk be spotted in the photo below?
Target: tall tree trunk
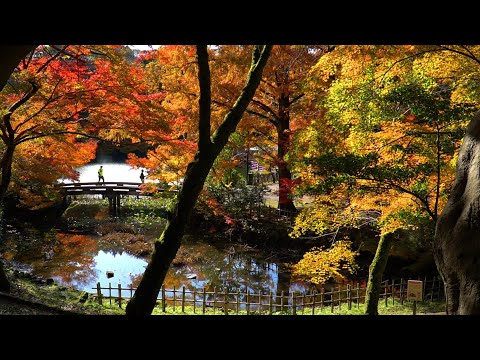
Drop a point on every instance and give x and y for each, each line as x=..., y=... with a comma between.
x=10, y=57
x=4, y=284
x=167, y=245
x=457, y=235
x=6, y=165
x=377, y=267
x=285, y=201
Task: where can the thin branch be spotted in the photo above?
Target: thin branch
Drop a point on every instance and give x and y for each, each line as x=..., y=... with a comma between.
x=266, y=109
x=296, y=98
x=49, y=100
x=52, y=58
x=468, y=54
x=25, y=98
x=42, y=135
x=272, y=121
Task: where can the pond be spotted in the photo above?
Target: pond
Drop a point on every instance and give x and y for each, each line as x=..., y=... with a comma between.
x=81, y=260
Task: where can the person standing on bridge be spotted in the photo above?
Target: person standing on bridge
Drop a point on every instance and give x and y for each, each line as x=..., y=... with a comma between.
x=100, y=174
x=142, y=177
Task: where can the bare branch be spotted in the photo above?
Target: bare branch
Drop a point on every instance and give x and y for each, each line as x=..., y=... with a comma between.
x=296, y=98
x=266, y=108
x=40, y=110
x=61, y=51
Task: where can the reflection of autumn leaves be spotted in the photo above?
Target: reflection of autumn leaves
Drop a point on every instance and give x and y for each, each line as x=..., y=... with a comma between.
x=134, y=244
x=80, y=251
x=135, y=279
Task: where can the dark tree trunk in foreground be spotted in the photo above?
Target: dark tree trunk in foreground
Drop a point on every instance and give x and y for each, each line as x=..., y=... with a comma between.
x=285, y=201
x=457, y=236
x=166, y=246
x=377, y=267
x=6, y=166
x=10, y=57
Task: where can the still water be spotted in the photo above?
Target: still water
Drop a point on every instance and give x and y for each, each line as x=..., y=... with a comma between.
x=81, y=261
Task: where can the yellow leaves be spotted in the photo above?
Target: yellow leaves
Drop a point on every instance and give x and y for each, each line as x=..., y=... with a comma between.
x=327, y=214
x=320, y=264
x=314, y=219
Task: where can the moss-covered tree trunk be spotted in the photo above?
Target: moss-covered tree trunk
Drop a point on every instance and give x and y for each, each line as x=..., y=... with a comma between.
x=10, y=57
x=167, y=245
x=377, y=267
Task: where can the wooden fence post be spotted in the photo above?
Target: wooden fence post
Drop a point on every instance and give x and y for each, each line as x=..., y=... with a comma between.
x=248, y=302
x=110, y=293
x=119, y=295
x=349, y=297
x=194, y=299
x=225, y=301
x=393, y=292
x=174, y=298
x=313, y=302
x=214, y=299
x=99, y=293
x=294, y=304
x=332, y=298
x=401, y=291
x=281, y=302
x=238, y=300
x=339, y=297
x=183, y=299
x=358, y=294
x=270, y=303
x=386, y=293
x=204, y=303
x=322, y=290
x=260, y=301
x=164, y=302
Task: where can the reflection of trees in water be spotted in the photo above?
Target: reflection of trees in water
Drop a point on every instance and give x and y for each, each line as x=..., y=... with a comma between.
x=75, y=254
x=67, y=257
x=283, y=283
x=236, y=272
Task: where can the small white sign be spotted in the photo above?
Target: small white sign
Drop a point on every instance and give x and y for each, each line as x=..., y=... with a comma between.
x=415, y=290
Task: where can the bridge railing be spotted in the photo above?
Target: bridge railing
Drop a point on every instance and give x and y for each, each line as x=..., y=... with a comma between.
x=106, y=183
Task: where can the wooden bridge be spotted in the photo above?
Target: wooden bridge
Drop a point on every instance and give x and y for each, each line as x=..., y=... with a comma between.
x=113, y=190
